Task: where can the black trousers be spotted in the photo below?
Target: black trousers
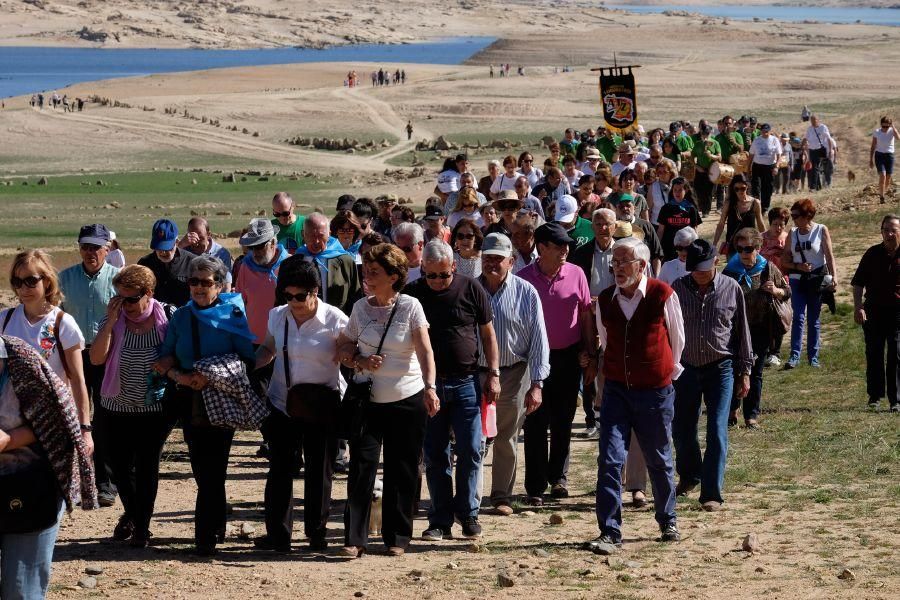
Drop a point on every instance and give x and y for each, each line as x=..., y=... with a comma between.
x=400, y=428
x=703, y=187
x=93, y=378
x=816, y=175
x=555, y=413
x=135, y=444
x=285, y=436
x=209, y=448
x=882, y=329
x=762, y=182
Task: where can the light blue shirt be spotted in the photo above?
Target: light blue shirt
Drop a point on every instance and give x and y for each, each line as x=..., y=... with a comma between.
x=86, y=296
x=519, y=326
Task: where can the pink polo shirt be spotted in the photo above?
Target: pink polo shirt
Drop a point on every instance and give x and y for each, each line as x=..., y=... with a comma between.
x=258, y=291
x=563, y=298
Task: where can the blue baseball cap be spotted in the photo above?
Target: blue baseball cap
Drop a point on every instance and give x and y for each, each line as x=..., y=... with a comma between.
x=95, y=233
x=165, y=232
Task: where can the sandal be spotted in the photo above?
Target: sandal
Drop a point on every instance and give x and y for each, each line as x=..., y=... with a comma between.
x=352, y=551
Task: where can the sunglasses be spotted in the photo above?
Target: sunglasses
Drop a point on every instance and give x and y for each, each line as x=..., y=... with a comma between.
x=796, y=215
x=90, y=247
x=681, y=248
x=29, y=282
x=745, y=249
x=279, y=215
x=439, y=275
x=528, y=160
x=505, y=206
x=465, y=236
x=130, y=299
x=407, y=249
x=206, y=283
x=301, y=297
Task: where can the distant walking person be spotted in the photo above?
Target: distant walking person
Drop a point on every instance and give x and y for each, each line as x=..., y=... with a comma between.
x=881, y=153
x=819, y=139
x=409, y=130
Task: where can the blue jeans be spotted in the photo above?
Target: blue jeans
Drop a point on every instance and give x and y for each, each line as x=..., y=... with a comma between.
x=649, y=413
x=806, y=307
x=712, y=384
x=460, y=410
x=25, y=560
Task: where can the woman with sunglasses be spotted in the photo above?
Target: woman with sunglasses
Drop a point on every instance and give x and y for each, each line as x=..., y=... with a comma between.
x=741, y=210
x=211, y=324
x=466, y=207
x=466, y=240
x=679, y=212
x=127, y=343
x=304, y=331
x=402, y=397
x=527, y=169
x=676, y=268
x=881, y=154
x=762, y=284
x=39, y=321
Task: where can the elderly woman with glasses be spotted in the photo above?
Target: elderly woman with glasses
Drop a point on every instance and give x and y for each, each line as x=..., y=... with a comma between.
x=211, y=324
x=676, y=268
x=763, y=285
x=466, y=240
x=132, y=393
x=304, y=392
x=345, y=227
x=741, y=210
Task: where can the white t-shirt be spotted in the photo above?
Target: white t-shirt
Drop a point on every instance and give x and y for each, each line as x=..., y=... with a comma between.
x=448, y=181
x=884, y=141
x=311, y=349
x=504, y=182
x=40, y=335
x=116, y=258
x=672, y=270
x=456, y=217
x=535, y=176
x=618, y=167
x=765, y=151
x=573, y=179
x=400, y=375
x=817, y=137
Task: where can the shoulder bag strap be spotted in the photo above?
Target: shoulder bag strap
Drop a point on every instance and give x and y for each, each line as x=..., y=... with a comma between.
x=9, y=314
x=59, y=348
x=799, y=246
x=388, y=326
x=195, y=335
x=284, y=350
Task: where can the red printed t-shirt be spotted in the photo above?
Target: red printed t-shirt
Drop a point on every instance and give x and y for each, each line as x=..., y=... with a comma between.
x=563, y=298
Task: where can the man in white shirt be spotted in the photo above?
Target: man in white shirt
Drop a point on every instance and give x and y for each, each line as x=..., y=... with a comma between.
x=639, y=318
x=819, y=139
x=764, y=154
x=626, y=159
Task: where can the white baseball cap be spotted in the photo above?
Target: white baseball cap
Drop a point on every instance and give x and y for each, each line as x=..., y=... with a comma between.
x=566, y=210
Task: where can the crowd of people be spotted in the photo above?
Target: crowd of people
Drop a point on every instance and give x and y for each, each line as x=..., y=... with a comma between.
x=379, y=332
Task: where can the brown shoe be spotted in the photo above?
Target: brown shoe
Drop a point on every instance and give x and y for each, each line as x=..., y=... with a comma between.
x=533, y=500
x=351, y=551
x=711, y=506
x=504, y=510
x=396, y=551
x=638, y=499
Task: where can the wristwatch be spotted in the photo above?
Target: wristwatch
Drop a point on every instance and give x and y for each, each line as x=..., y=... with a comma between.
x=494, y=372
x=538, y=384
x=430, y=386
x=87, y=428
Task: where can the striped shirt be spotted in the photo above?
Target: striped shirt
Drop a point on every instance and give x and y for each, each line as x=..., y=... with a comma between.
x=519, y=326
x=715, y=324
x=138, y=352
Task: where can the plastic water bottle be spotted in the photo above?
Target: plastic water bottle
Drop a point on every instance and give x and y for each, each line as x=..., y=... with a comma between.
x=488, y=418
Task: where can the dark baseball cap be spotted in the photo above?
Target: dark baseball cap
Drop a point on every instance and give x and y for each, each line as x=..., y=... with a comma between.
x=433, y=212
x=165, y=232
x=95, y=233
x=701, y=256
x=552, y=233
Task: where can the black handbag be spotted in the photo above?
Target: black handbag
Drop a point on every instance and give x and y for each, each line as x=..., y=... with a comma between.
x=29, y=499
x=359, y=394
x=811, y=283
x=315, y=403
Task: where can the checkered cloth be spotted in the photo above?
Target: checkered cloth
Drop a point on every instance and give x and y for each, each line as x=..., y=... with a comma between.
x=229, y=398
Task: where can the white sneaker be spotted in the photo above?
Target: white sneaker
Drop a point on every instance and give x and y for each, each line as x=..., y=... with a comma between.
x=592, y=433
x=773, y=361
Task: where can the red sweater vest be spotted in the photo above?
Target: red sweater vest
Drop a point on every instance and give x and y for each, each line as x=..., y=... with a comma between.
x=637, y=352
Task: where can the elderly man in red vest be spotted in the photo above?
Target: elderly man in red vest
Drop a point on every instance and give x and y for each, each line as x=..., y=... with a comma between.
x=642, y=334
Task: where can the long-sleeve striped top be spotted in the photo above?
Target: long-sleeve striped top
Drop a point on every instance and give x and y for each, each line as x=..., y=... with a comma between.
x=519, y=326
x=715, y=324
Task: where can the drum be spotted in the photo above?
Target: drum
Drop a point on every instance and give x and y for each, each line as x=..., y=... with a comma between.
x=688, y=168
x=740, y=161
x=720, y=174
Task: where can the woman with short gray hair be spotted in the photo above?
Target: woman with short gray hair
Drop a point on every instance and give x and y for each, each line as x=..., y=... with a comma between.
x=675, y=268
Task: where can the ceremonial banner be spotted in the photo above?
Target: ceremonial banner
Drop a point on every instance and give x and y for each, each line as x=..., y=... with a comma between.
x=618, y=96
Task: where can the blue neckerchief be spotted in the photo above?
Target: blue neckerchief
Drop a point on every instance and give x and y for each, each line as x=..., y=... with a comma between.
x=268, y=269
x=353, y=250
x=683, y=205
x=742, y=274
x=228, y=315
x=332, y=250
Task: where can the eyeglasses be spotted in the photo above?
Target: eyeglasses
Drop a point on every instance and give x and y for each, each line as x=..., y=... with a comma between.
x=439, y=275
x=615, y=264
x=797, y=215
x=29, y=282
x=745, y=249
x=280, y=215
x=301, y=297
x=90, y=247
x=465, y=236
x=681, y=248
x=206, y=283
x=346, y=230
x=130, y=299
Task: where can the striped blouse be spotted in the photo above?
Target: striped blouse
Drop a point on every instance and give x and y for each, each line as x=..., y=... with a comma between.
x=138, y=352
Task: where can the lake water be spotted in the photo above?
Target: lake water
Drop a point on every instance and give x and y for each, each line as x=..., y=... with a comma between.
x=26, y=70
x=869, y=16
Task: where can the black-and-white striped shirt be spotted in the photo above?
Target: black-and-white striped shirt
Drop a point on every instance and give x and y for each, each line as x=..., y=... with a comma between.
x=137, y=354
x=715, y=324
